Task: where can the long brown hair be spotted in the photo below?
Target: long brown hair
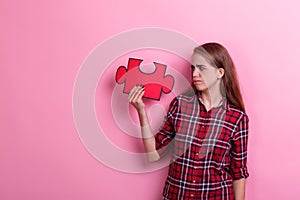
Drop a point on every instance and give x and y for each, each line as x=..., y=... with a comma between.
x=219, y=57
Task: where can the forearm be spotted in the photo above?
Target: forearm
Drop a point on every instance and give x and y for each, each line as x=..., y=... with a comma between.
x=239, y=189
x=148, y=138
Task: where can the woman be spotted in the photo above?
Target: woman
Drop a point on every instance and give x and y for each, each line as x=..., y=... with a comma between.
x=208, y=128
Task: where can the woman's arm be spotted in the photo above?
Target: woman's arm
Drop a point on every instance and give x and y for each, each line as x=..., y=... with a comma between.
x=238, y=154
x=135, y=98
x=239, y=189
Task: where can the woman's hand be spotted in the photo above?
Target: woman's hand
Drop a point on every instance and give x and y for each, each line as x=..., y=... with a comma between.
x=135, y=97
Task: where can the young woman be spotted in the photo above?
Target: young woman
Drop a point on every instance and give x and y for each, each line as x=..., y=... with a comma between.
x=208, y=129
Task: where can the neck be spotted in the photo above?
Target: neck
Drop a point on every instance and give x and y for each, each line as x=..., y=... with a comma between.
x=211, y=97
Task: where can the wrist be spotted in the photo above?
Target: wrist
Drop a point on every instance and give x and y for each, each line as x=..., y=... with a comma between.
x=141, y=111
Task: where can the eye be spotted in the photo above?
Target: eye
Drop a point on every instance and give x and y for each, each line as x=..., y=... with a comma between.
x=201, y=67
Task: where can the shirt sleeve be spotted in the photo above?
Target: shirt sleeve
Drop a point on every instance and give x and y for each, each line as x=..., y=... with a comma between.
x=166, y=133
x=238, y=153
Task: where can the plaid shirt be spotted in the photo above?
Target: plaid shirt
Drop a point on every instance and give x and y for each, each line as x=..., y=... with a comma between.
x=209, y=149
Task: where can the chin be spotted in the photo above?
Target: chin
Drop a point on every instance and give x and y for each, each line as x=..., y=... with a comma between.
x=198, y=88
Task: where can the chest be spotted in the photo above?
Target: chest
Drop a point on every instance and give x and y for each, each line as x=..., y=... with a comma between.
x=195, y=125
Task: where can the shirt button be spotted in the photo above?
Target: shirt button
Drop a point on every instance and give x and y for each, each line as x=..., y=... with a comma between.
x=194, y=181
x=197, y=154
x=192, y=195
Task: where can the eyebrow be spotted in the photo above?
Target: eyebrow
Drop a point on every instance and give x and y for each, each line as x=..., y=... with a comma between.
x=199, y=65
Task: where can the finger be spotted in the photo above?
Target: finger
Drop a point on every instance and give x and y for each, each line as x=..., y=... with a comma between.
x=138, y=94
x=139, y=97
x=132, y=91
x=132, y=97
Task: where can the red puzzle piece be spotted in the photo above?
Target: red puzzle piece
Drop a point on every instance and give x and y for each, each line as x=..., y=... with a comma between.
x=155, y=83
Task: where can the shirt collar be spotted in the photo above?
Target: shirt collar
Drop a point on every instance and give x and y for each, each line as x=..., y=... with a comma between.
x=223, y=103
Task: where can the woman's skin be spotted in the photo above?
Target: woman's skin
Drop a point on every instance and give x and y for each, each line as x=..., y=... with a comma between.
x=135, y=98
x=205, y=78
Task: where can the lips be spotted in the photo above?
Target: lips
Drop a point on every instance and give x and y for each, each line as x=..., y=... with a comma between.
x=197, y=81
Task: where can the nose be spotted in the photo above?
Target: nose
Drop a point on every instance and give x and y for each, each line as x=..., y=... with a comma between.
x=196, y=73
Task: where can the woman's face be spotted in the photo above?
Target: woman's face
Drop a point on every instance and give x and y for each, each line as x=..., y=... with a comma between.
x=204, y=75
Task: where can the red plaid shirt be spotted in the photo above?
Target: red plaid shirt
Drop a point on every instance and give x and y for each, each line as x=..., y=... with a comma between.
x=209, y=149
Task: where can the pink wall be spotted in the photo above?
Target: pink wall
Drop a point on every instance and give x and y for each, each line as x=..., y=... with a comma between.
x=43, y=45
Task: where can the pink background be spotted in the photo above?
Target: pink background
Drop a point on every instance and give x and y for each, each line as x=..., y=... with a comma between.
x=43, y=44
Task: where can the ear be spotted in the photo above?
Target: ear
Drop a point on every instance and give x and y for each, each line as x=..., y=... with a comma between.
x=221, y=72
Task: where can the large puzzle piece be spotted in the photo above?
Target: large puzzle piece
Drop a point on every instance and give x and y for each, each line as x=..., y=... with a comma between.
x=155, y=83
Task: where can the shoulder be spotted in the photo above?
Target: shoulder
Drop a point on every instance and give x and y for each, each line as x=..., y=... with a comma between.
x=181, y=101
x=185, y=97
x=237, y=113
